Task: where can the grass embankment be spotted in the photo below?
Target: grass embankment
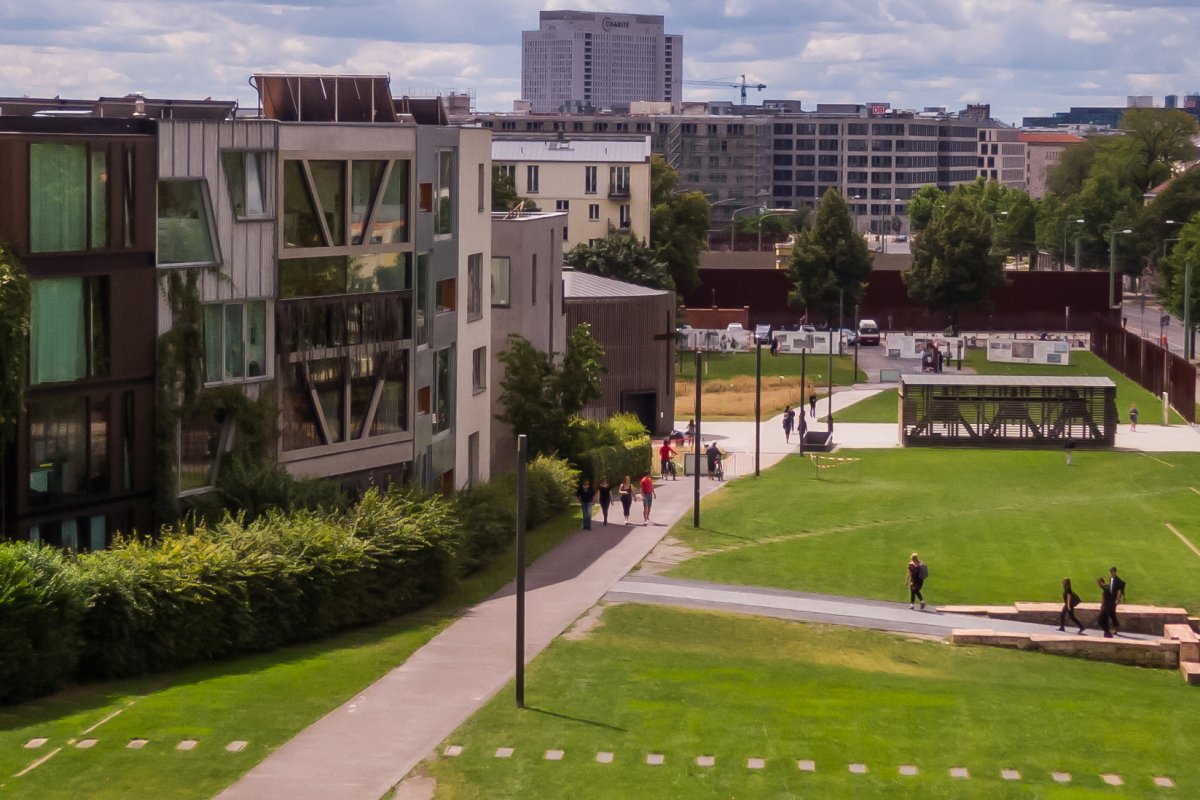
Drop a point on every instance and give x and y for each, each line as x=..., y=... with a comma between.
x=689, y=683
x=263, y=699
x=995, y=527
x=882, y=407
x=728, y=383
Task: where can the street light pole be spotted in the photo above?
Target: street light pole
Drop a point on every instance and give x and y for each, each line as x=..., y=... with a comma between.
x=521, y=504
x=1189, y=344
x=757, y=402
x=1064, y=250
x=1112, y=266
x=696, y=448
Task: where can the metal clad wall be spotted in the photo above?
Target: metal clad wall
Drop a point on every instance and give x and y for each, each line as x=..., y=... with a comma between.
x=636, y=361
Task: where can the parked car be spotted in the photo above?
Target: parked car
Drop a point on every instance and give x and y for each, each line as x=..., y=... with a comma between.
x=851, y=336
x=762, y=334
x=868, y=332
x=735, y=327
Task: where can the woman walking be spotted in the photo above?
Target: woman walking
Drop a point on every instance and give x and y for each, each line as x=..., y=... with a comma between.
x=789, y=419
x=1133, y=415
x=914, y=580
x=605, y=497
x=625, y=493
x=1070, y=600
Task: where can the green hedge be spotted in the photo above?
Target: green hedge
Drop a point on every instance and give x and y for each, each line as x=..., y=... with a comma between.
x=213, y=589
x=617, y=447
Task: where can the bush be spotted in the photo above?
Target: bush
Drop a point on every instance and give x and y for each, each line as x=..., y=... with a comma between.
x=615, y=462
x=488, y=516
x=40, y=606
x=551, y=484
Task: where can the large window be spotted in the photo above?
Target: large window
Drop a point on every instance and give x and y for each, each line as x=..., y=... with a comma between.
x=474, y=286
x=246, y=175
x=314, y=203
x=235, y=341
x=531, y=179
x=589, y=180
x=443, y=209
x=68, y=449
x=331, y=275
x=185, y=230
x=68, y=336
x=446, y=295
x=335, y=400
x=443, y=390
x=68, y=197
x=501, y=281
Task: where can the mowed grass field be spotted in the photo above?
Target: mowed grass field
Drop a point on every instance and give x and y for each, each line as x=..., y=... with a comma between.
x=688, y=683
x=994, y=526
x=262, y=699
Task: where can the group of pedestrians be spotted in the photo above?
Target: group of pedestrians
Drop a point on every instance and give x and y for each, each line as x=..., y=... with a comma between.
x=789, y=418
x=1112, y=593
x=588, y=496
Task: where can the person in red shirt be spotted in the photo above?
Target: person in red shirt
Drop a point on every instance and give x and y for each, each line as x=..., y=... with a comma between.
x=664, y=454
x=647, y=497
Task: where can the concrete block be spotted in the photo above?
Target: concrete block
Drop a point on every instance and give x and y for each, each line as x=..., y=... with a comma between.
x=1010, y=775
x=858, y=768
x=553, y=755
x=604, y=758
x=1112, y=780
x=186, y=745
x=908, y=770
x=1191, y=672
x=34, y=744
x=1164, y=783
x=1061, y=777
x=504, y=752
x=705, y=761
x=86, y=744
x=755, y=763
x=137, y=744
x=655, y=759
x=453, y=751
x=806, y=765
x=959, y=772
x=236, y=746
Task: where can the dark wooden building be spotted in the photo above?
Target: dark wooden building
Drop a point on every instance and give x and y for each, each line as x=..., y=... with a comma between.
x=636, y=327
x=78, y=211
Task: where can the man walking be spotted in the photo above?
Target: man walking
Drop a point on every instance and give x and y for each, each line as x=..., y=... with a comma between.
x=1116, y=585
x=812, y=406
x=647, y=488
x=587, y=496
x=917, y=572
x=1108, y=609
x=713, y=455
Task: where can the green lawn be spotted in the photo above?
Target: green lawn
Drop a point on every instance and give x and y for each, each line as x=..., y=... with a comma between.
x=881, y=407
x=690, y=683
x=264, y=699
x=723, y=366
x=995, y=526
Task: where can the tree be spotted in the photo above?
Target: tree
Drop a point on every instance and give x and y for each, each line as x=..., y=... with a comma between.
x=830, y=261
x=923, y=206
x=678, y=224
x=624, y=257
x=1176, y=203
x=504, y=192
x=953, y=267
x=1163, y=137
x=539, y=398
x=1174, y=270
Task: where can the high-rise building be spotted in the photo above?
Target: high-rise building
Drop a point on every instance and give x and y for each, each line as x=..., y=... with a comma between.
x=598, y=60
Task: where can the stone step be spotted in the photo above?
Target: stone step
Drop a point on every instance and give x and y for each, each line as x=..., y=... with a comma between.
x=1133, y=618
x=1191, y=672
x=1159, y=653
x=1189, y=642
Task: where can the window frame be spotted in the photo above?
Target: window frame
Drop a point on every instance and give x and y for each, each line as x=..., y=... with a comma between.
x=505, y=263
x=266, y=178
x=268, y=341
x=474, y=287
x=211, y=226
x=479, y=370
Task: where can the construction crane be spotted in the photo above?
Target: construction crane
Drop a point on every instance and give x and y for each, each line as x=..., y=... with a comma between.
x=743, y=85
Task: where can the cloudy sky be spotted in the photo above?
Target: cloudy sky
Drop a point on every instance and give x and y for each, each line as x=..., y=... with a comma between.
x=1023, y=56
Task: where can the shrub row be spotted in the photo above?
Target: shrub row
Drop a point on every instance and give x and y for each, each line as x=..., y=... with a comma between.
x=216, y=589
x=615, y=448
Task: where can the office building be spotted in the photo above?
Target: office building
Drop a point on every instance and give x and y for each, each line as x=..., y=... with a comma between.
x=584, y=59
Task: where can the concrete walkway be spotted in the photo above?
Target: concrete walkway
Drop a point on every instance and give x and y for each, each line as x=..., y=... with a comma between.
x=830, y=609
x=362, y=749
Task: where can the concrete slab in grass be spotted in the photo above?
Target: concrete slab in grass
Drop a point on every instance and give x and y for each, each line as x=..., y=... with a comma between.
x=959, y=772
x=655, y=759
x=236, y=746
x=86, y=744
x=604, y=758
x=1164, y=783
x=453, y=751
x=908, y=770
x=705, y=761
x=1010, y=775
x=186, y=745
x=1061, y=777
x=504, y=752
x=137, y=744
x=755, y=763
x=1112, y=779
x=858, y=769
x=34, y=744
x=553, y=755
x=806, y=765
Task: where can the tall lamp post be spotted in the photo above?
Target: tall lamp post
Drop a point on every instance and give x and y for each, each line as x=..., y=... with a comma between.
x=733, y=222
x=713, y=205
x=1066, y=226
x=1112, y=265
x=774, y=212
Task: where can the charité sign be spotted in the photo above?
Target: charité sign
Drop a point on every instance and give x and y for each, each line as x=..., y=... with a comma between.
x=612, y=24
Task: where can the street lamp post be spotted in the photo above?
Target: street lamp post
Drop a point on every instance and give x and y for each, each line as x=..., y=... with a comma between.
x=774, y=212
x=733, y=223
x=1064, y=250
x=1112, y=265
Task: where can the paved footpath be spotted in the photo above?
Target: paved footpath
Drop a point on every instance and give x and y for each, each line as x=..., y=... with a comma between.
x=362, y=749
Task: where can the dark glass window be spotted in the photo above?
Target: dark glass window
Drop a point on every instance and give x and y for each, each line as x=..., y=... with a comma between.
x=185, y=231
x=68, y=197
x=69, y=329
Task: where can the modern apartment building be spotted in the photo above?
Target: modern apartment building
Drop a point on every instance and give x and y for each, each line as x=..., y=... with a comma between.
x=779, y=156
x=601, y=184
x=584, y=59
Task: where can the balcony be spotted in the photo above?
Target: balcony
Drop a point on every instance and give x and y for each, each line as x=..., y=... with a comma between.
x=617, y=191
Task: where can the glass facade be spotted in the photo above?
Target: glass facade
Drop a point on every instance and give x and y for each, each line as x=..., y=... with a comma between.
x=68, y=337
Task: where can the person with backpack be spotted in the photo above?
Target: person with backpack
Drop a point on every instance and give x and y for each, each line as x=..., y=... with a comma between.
x=1070, y=600
x=915, y=579
x=1117, y=586
x=1108, y=609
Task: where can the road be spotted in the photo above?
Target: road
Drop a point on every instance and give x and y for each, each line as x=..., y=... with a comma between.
x=1142, y=316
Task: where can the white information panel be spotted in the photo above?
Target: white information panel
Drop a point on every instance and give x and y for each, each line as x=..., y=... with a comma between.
x=1029, y=351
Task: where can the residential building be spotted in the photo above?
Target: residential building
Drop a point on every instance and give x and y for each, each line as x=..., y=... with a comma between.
x=1002, y=157
x=526, y=298
x=599, y=60
x=602, y=185
x=79, y=214
x=636, y=327
x=1043, y=152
